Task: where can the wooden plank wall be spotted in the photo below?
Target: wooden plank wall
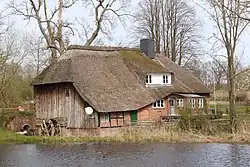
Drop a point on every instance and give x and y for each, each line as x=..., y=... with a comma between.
x=51, y=102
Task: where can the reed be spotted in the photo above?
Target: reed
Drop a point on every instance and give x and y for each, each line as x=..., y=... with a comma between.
x=204, y=132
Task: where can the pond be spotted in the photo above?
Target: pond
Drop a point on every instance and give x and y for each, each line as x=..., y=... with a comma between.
x=125, y=155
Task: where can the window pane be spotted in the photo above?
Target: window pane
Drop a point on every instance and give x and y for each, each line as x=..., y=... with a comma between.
x=150, y=80
x=102, y=117
x=162, y=103
x=158, y=103
x=107, y=117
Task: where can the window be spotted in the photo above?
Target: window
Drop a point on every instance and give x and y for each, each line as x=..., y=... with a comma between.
x=104, y=117
x=148, y=79
x=192, y=102
x=200, y=103
x=165, y=79
x=67, y=92
x=180, y=102
x=159, y=104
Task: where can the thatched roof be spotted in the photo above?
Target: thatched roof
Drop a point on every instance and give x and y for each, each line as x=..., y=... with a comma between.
x=113, y=79
x=184, y=80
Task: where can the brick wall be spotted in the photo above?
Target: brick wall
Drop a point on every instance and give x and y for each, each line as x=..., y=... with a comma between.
x=17, y=123
x=149, y=113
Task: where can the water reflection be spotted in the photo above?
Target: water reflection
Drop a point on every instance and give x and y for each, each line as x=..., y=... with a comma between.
x=108, y=155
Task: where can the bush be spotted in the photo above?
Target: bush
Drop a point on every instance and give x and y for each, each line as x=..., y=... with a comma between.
x=198, y=123
x=219, y=113
x=247, y=110
x=241, y=97
x=8, y=115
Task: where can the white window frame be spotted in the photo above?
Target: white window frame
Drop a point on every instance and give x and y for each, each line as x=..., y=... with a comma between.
x=159, y=104
x=180, y=102
x=200, y=102
x=165, y=79
x=192, y=102
x=148, y=79
x=104, y=117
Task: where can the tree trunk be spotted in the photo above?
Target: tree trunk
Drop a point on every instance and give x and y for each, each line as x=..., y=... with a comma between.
x=231, y=90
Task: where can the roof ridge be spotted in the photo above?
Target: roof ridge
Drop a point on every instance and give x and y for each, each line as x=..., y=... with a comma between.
x=101, y=48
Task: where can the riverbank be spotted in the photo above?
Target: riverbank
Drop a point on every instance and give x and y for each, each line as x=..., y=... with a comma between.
x=135, y=135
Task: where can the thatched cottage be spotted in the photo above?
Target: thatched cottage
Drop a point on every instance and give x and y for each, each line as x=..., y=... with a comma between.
x=122, y=85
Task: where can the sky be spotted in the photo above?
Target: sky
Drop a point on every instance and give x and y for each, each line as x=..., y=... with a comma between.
x=122, y=35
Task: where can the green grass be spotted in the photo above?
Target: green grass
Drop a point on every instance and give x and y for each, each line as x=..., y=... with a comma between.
x=10, y=137
x=242, y=112
x=212, y=132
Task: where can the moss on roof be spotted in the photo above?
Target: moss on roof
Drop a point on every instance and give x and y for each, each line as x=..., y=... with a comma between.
x=139, y=60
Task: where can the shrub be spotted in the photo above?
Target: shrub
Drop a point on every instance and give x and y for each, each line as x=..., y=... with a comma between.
x=197, y=123
x=219, y=113
x=247, y=110
x=241, y=97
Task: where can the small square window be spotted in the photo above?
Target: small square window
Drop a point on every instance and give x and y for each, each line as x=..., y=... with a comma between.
x=104, y=117
x=180, y=102
x=67, y=92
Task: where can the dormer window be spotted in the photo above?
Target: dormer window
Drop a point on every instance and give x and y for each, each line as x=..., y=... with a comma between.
x=165, y=79
x=158, y=79
x=148, y=79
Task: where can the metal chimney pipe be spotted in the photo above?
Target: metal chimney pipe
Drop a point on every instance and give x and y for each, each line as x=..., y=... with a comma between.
x=148, y=47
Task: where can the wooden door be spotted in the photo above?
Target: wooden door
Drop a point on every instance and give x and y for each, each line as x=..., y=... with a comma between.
x=172, y=106
x=133, y=117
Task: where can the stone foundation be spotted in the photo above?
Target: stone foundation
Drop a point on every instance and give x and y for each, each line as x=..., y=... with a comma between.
x=19, y=122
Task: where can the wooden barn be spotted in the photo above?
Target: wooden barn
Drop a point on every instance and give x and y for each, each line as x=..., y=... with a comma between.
x=123, y=86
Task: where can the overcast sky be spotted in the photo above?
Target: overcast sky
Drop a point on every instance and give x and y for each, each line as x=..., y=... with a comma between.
x=120, y=34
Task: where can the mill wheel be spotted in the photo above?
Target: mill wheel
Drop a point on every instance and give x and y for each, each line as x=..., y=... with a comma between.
x=50, y=128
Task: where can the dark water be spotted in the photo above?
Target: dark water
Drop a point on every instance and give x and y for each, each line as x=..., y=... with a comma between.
x=129, y=155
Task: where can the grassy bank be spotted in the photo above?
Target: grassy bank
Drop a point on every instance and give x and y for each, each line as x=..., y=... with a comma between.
x=10, y=137
x=139, y=135
x=200, y=130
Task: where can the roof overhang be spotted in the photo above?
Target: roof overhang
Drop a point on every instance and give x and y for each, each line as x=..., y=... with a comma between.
x=189, y=95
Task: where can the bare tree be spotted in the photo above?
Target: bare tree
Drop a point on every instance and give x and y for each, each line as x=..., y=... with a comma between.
x=218, y=71
x=12, y=53
x=230, y=28
x=50, y=23
x=106, y=13
x=172, y=25
x=38, y=56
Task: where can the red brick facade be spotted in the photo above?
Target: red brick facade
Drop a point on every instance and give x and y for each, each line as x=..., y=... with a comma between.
x=149, y=113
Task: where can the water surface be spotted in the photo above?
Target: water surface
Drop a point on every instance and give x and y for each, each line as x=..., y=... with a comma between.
x=125, y=155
